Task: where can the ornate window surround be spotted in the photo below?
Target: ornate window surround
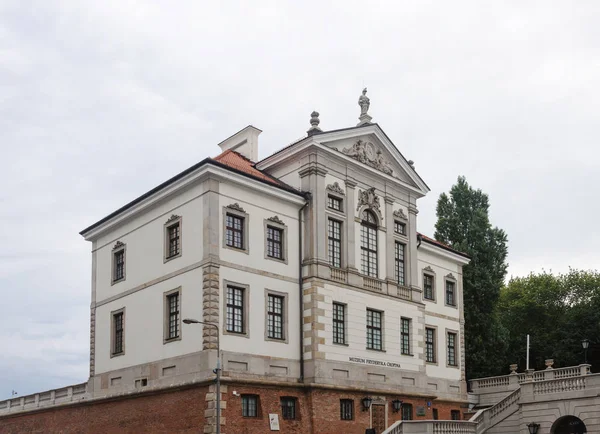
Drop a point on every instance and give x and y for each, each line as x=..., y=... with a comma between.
x=117, y=248
x=431, y=273
x=450, y=278
x=173, y=220
x=166, y=295
x=246, y=310
x=236, y=210
x=276, y=223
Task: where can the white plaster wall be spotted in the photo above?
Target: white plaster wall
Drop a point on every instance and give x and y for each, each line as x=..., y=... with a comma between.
x=256, y=343
x=144, y=238
x=441, y=267
x=259, y=208
x=441, y=369
x=144, y=319
x=357, y=303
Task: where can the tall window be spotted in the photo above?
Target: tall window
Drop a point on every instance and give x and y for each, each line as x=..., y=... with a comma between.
x=374, y=321
x=428, y=287
x=451, y=338
x=119, y=265
x=274, y=242
x=368, y=243
x=235, y=309
x=407, y=412
x=400, y=228
x=249, y=406
x=334, y=203
x=335, y=243
x=429, y=345
x=288, y=407
x=173, y=238
x=455, y=414
x=275, y=317
x=450, y=293
x=346, y=409
x=234, y=231
x=405, y=335
x=399, y=269
x=339, y=323
x=173, y=318
x=118, y=333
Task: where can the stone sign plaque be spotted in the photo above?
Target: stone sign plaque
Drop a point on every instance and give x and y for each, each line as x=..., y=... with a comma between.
x=274, y=421
x=420, y=410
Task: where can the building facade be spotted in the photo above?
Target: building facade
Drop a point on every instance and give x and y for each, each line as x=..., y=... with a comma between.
x=330, y=306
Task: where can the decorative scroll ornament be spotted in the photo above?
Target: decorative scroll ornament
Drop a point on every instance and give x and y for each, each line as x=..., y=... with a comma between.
x=118, y=245
x=450, y=276
x=368, y=198
x=335, y=188
x=236, y=206
x=172, y=218
x=366, y=153
x=400, y=214
x=428, y=268
x=276, y=219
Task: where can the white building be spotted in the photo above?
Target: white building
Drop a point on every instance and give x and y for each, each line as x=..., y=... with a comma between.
x=378, y=307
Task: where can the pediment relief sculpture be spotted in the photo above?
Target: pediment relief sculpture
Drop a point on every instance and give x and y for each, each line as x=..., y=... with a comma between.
x=400, y=214
x=450, y=276
x=276, y=219
x=368, y=154
x=335, y=188
x=172, y=218
x=429, y=269
x=368, y=198
x=236, y=206
x=118, y=245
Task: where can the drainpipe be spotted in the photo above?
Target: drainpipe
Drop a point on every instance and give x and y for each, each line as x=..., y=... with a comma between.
x=307, y=196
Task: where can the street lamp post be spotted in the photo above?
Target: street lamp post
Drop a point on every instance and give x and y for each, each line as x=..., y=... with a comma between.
x=217, y=371
x=585, y=344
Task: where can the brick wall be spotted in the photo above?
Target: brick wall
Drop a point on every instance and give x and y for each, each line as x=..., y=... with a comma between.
x=191, y=410
x=179, y=411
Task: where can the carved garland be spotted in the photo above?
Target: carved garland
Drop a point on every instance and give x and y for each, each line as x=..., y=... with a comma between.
x=236, y=206
x=335, y=188
x=368, y=198
x=276, y=219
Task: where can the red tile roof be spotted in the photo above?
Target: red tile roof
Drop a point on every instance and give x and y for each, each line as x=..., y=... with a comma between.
x=239, y=162
x=442, y=245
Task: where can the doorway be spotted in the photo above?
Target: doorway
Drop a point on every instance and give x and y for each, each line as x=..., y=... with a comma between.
x=568, y=425
x=378, y=418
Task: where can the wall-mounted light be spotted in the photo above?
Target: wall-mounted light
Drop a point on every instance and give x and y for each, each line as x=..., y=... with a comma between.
x=533, y=427
x=366, y=402
x=396, y=405
x=585, y=344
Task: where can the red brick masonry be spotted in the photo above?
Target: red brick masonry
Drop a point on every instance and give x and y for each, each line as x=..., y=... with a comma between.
x=182, y=411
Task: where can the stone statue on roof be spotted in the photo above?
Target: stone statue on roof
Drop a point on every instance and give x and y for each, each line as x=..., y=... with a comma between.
x=364, y=102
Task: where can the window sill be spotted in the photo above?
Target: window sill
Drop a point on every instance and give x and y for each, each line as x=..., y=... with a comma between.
x=122, y=353
x=341, y=344
x=376, y=350
x=430, y=300
x=238, y=334
x=237, y=249
x=451, y=305
x=170, y=258
x=432, y=363
x=281, y=341
x=114, y=282
x=407, y=355
x=280, y=260
x=169, y=340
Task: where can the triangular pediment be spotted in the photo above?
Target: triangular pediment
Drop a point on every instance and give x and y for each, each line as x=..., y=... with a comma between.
x=372, y=148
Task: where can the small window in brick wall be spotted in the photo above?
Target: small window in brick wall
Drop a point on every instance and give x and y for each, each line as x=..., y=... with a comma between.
x=249, y=406
x=455, y=414
x=288, y=407
x=346, y=409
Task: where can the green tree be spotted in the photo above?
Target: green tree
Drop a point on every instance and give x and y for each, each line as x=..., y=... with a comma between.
x=557, y=312
x=463, y=223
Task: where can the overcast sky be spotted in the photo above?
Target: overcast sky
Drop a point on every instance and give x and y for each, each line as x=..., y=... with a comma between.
x=101, y=101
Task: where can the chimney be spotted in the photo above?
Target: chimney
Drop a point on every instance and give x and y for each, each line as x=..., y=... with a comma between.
x=244, y=142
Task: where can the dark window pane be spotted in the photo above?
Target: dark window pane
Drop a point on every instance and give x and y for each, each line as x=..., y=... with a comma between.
x=374, y=338
x=428, y=286
x=249, y=405
x=119, y=265
x=288, y=408
x=399, y=260
x=339, y=323
x=335, y=243
x=274, y=242
x=173, y=324
x=174, y=240
x=400, y=228
x=452, y=349
x=275, y=317
x=346, y=409
x=235, y=309
x=405, y=336
x=407, y=412
x=430, y=345
x=334, y=203
x=368, y=244
x=234, y=231
x=450, y=295
x=118, y=328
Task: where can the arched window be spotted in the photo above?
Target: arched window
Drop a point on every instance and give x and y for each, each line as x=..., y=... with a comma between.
x=368, y=243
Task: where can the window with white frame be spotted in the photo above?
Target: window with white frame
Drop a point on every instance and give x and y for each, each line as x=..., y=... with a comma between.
x=334, y=203
x=368, y=243
x=429, y=345
x=275, y=311
x=399, y=227
x=374, y=330
x=173, y=238
x=451, y=343
x=428, y=287
x=274, y=242
x=450, y=293
x=234, y=231
x=334, y=238
x=118, y=333
x=235, y=309
x=172, y=314
x=339, y=323
x=399, y=263
x=405, y=324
